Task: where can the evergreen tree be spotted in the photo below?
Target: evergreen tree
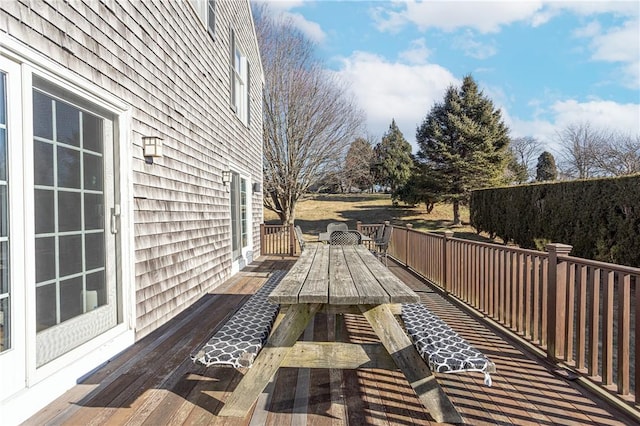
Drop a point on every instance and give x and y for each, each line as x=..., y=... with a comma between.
x=393, y=160
x=516, y=171
x=464, y=142
x=546, y=168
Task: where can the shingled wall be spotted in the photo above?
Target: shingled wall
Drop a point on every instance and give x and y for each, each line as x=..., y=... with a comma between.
x=158, y=57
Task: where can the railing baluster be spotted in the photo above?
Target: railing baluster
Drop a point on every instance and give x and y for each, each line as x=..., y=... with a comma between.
x=607, y=330
x=594, y=317
x=624, y=317
x=581, y=318
x=570, y=302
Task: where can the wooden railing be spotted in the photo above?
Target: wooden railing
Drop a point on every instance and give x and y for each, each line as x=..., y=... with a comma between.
x=277, y=239
x=579, y=311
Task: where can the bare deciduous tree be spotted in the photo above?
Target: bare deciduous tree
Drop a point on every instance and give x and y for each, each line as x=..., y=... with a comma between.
x=579, y=147
x=619, y=155
x=357, y=165
x=309, y=118
x=526, y=150
x=590, y=152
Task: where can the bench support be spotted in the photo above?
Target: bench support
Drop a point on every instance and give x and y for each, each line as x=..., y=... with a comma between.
x=411, y=363
x=271, y=358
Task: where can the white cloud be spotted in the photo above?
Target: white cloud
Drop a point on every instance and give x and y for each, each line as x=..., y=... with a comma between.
x=282, y=9
x=599, y=114
x=392, y=90
x=473, y=48
x=311, y=29
x=620, y=44
x=485, y=17
x=604, y=114
x=418, y=53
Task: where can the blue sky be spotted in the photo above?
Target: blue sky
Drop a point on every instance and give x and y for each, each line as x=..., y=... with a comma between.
x=546, y=65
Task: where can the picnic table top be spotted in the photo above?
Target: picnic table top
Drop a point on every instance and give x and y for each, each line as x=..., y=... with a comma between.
x=341, y=275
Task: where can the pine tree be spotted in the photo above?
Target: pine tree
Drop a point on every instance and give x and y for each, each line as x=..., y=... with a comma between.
x=393, y=160
x=464, y=142
x=546, y=168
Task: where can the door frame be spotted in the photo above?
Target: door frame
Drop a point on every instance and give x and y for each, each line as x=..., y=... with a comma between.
x=41, y=385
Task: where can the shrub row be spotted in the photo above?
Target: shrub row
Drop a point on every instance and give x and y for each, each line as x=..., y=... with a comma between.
x=600, y=218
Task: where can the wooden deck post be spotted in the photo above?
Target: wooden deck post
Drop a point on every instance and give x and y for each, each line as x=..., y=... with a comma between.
x=262, y=251
x=446, y=267
x=556, y=305
x=406, y=247
x=292, y=240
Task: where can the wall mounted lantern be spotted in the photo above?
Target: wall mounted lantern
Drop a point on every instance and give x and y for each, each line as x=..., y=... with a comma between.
x=226, y=177
x=151, y=147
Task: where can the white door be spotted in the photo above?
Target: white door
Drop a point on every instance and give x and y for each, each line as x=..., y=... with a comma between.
x=75, y=285
x=12, y=291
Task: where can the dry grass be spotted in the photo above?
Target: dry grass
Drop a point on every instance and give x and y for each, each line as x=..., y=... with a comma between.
x=315, y=212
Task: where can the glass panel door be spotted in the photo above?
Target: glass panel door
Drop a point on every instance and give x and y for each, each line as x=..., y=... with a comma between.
x=238, y=214
x=74, y=249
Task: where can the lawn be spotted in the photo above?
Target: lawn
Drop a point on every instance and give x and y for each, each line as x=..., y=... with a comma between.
x=316, y=211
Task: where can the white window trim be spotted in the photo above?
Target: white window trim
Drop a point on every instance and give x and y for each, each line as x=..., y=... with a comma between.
x=248, y=249
x=201, y=7
x=239, y=75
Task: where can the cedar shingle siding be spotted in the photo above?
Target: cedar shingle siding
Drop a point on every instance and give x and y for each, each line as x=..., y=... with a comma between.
x=157, y=57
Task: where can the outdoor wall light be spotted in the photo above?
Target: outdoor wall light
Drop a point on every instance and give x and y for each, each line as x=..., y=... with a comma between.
x=226, y=176
x=152, y=146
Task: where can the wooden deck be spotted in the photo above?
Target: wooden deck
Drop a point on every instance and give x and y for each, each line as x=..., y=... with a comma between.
x=155, y=383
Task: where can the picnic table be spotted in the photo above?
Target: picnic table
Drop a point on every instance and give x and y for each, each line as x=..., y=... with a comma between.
x=340, y=279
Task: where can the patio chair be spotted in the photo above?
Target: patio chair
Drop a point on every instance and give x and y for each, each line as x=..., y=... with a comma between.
x=345, y=238
x=382, y=244
x=337, y=226
x=299, y=237
x=379, y=233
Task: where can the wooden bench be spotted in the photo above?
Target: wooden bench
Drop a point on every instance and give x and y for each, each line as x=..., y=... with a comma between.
x=239, y=340
x=441, y=347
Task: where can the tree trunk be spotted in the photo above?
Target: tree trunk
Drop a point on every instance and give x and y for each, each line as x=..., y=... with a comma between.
x=288, y=215
x=456, y=213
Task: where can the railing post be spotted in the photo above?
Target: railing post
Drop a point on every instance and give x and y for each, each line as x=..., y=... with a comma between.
x=292, y=240
x=446, y=267
x=262, y=239
x=556, y=304
x=406, y=245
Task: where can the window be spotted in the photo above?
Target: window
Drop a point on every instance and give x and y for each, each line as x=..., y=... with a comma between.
x=206, y=10
x=239, y=81
x=211, y=17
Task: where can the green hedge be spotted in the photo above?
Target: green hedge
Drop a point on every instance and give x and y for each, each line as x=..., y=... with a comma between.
x=600, y=218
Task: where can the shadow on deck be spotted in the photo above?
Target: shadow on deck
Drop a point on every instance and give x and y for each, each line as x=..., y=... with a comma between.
x=154, y=382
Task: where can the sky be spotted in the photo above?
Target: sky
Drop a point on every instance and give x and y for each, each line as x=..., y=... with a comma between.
x=545, y=64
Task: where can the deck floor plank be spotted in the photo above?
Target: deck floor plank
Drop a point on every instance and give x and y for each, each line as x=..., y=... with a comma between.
x=155, y=383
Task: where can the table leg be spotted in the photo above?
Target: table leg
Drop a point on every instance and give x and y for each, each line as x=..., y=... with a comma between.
x=269, y=360
x=411, y=363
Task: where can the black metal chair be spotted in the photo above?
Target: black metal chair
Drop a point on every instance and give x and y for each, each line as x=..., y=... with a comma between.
x=337, y=226
x=382, y=244
x=345, y=238
x=379, y=233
